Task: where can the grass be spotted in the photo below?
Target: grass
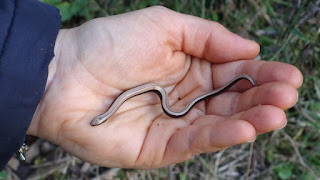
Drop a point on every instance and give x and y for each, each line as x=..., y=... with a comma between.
x=288, y=31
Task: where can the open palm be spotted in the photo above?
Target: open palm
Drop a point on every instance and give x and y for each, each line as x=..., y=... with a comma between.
x=186, y=55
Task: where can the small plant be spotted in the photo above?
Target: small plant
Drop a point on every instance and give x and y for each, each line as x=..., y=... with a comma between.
x=3, y=175
x=284, y=171
x=71, y=8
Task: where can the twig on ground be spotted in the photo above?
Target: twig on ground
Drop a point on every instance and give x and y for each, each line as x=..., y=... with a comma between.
x=297, y=152
x=310, y=13
x=295, y=148
x=249, y=24
x=108, y=174
x=254, y=176
x=217, y=162
x=304, y=114
x=232, y=163
x=170, y=172
x=205, y=164
x=51, y=163
x=249, y=160
x=149, y=175
x=101, y=8
x=185, y=171
x=97, y=172
x=10, y=174
x=42, y=173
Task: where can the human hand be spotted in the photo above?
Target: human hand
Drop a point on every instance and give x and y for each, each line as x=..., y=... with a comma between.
x=186, y=55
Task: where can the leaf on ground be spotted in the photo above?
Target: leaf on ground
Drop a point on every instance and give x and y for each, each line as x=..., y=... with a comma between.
x=3, y=175
x=65, y=12
x=52, y=2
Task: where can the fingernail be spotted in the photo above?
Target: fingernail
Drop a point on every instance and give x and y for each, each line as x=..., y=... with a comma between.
x=257, y=57
x=296, y=99
x=284, y=125
x=253, y=140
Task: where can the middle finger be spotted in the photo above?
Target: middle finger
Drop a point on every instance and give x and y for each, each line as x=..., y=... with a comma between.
x=281, y=95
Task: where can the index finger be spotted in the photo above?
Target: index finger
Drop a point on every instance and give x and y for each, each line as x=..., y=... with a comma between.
x=202, y=38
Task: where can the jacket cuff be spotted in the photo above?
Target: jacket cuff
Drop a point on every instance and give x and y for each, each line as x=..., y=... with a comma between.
x=28, y=31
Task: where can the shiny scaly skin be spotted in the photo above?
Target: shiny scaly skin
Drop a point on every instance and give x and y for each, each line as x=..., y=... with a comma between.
x=152, y=87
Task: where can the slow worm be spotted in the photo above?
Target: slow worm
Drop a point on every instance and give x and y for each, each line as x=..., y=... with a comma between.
x=152, y=87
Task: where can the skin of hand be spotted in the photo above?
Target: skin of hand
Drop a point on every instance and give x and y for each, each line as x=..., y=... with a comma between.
x=186, y=55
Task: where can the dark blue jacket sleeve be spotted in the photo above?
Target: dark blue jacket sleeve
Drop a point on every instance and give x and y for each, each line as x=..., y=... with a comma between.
x=28, y=30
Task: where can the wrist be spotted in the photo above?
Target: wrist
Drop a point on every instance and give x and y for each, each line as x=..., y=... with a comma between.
x=34, y=125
